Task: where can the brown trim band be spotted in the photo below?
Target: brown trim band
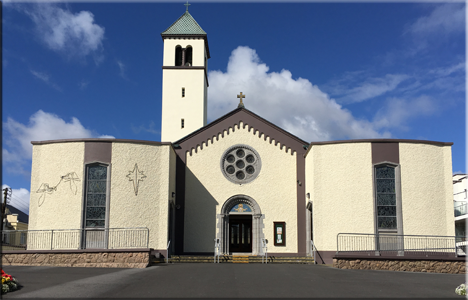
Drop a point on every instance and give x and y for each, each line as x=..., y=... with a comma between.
x=179, y=202
x=324, y=257
x=300, y=203
x=389, y=152
x=212, y=130
x=427, y=142
x=101, y=152
x=100, y=141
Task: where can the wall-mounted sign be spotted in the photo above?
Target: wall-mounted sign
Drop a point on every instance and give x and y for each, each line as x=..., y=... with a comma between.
x=279, y=231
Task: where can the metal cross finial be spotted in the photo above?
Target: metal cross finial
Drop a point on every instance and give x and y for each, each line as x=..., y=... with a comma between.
x=241, y=104
x=187, y=5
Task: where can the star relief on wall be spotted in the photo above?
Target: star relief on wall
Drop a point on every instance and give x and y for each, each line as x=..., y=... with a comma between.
x=136, y=176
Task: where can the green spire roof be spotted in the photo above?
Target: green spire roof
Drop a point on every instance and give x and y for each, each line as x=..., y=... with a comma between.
x=185, y=25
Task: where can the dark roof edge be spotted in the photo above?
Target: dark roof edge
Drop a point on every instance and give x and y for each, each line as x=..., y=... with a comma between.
x=97, y=140
x=427, y=142
x=234, y=112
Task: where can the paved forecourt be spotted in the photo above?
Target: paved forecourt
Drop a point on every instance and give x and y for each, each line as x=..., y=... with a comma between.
x=228, y=281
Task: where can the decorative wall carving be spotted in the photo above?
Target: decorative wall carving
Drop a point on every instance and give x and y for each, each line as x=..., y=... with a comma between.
x=136, y=176
x=71, y=178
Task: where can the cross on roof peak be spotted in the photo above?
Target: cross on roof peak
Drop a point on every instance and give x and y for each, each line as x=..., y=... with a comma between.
x=187, y=5
x=241, y=104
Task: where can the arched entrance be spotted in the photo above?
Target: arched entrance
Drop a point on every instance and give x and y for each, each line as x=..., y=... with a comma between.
x=240, y=226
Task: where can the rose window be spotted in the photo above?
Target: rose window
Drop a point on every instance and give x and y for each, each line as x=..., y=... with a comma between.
x=240, y=164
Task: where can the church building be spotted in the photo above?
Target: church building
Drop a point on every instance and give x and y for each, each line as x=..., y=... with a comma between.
x=239, y=180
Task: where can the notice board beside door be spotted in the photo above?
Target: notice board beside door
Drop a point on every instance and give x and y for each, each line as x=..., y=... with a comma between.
x=279, y=231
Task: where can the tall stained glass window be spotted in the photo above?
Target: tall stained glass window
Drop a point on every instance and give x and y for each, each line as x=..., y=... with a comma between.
x=386, y=197
x=96, y=191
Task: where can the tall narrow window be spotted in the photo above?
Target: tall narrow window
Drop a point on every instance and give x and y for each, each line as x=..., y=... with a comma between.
x=183, y=92
x=96, y=195
x=182, y=123
x=188, y=56
x=178, y=56
x=386, y=197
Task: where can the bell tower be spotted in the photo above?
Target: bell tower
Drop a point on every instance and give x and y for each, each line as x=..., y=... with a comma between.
x=185, y=78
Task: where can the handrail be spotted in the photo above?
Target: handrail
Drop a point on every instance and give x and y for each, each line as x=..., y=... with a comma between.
x=167, y=251
x=216, y=250
x=312, y=250
x=397, y=244
x=82, y=238
x=264, y=250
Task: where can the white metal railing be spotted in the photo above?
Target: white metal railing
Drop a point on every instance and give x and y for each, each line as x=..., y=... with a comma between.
x=264, y=243
x=461, y=246
x=87, y=238
x=398, y=245
x=460, y=210
x=217, y=251
x=313, y=250
x=167, y=251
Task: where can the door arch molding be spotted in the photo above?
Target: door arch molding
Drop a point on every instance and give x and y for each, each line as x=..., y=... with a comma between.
x=223, y=222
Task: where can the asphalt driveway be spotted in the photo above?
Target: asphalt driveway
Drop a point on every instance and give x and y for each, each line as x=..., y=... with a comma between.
x=229, y=281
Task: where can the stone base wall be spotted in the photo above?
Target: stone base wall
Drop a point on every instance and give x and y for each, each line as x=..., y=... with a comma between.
x=79, y=259
x=429, y=266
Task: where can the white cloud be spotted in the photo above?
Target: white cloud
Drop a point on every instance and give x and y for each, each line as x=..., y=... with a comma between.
x=448, y=70
x=397, y=112
x=73, y=34
x=42, y=126
x=370, y=88
x=46, y=78
x=296, y=105
x=19, y=198
x=436, y=28
x=83, y=84
x=121, y=68
x=444, y=19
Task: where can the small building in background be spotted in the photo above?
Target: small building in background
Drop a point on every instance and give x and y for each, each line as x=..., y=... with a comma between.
x=460, y=200
x=16, y=219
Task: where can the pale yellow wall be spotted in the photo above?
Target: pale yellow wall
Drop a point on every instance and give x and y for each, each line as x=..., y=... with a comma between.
x=207, y=189
x=150, y=207
x=427, y=190
x=191, y=108
x=339, y=180
x=62, y=208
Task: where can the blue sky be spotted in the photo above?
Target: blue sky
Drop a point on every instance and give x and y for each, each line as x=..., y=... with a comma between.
x=323, y=71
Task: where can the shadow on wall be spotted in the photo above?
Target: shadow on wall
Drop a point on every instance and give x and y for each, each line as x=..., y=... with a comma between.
x=200, y=216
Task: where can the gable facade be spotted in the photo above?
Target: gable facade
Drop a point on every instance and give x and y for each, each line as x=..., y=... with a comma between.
x=275, y=195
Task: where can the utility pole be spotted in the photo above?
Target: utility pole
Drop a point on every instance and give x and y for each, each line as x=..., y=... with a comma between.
x=6, y=194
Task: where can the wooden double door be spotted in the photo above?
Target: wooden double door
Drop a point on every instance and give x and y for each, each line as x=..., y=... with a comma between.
x=240, y=233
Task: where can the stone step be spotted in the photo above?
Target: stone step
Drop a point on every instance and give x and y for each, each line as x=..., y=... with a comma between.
x=240, y=259
x=236, y=259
